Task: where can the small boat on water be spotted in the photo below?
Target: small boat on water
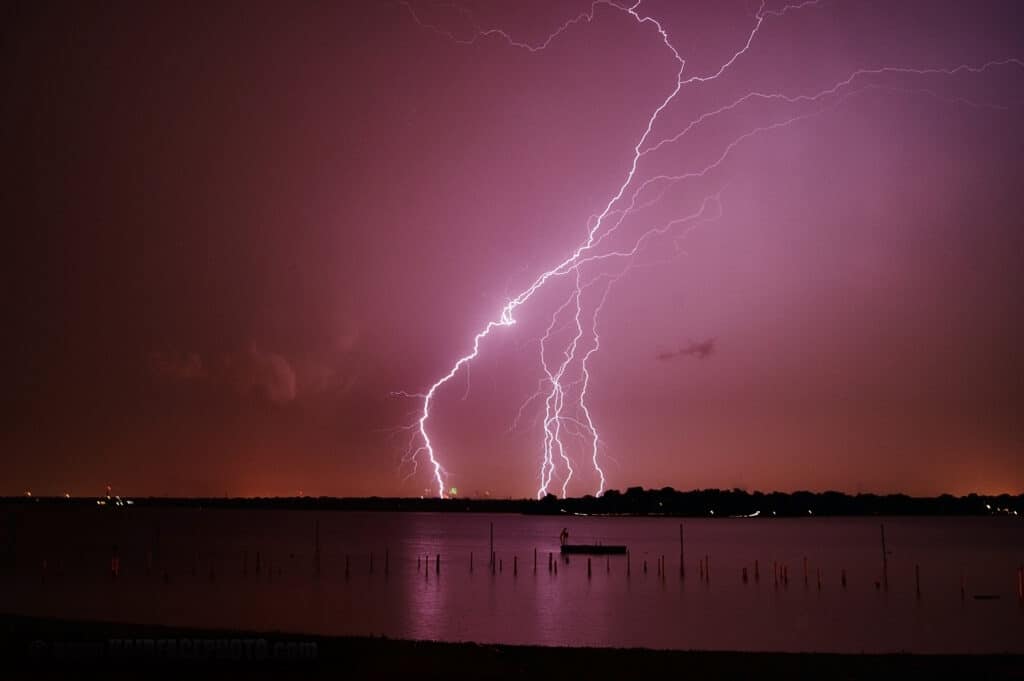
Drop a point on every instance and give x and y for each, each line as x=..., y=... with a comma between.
x=593, y=548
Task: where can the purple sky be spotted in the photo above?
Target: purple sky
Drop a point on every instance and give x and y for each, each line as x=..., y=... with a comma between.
x=233, y=233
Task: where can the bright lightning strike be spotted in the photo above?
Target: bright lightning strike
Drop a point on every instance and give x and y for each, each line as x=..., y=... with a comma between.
x=567, y=380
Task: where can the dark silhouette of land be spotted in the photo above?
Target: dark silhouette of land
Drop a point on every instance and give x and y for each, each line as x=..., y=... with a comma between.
x=34, y=647
x=634, y=501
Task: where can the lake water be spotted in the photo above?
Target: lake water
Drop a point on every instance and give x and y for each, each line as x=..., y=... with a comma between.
x=210, y=556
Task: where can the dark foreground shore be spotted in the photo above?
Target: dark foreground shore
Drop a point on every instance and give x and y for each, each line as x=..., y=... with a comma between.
x=41, y=648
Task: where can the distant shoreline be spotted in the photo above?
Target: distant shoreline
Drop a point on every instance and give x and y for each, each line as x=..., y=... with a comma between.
x=710, y=503
x=53, y=648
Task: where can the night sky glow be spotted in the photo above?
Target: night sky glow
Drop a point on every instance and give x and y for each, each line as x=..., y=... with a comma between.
x=514, y=248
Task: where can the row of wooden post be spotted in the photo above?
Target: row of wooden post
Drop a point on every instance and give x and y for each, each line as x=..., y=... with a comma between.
x=780, y=571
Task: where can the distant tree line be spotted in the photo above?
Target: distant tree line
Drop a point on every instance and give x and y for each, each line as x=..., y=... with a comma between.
x=667, y=501
x=740, y=503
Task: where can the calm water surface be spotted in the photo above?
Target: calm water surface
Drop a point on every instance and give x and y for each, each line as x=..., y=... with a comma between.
x=210, y=560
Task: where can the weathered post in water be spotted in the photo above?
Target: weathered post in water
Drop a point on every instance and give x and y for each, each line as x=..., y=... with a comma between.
x=682, y=554
x=437, y=563
x=316, y=547
x=492, y=543
x=470, y=562
x=156, y=541
x=534, y=560
x=885, y=560
x=588, y=567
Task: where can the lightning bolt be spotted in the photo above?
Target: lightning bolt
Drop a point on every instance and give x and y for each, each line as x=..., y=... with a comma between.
x=566, y=411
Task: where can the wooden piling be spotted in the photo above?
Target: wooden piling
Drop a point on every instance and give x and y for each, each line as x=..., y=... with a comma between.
x=316, y=547
x=471, y=562
x=551, y=559
x=805, y=570
x=842, y=577
x=515, y=566
x=492, y=543
x=682, y=554
x=607, y=565
x=494, y=565
x=346, y=564
x=627, y=564
x=156, y=541
x=963, y=586
x=588, y=567
x=744, y=577
x=387, y=561
x=757, y=572
x=371, y=562
x=556, y=569
x=819, y=578
x=707, y=568
x=501, y=567
x=917, y=579
x=437, y=564
x=645, y=566
x=534, y=560
x=885, y=560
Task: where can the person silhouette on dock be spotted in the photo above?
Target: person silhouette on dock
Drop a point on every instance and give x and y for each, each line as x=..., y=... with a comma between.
x=563, y=538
